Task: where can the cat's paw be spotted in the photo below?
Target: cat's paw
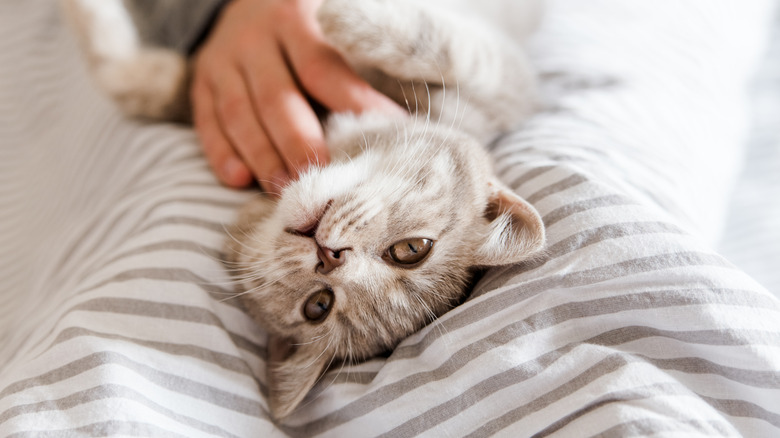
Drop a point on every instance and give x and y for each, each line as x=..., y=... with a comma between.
x=399, y=38
x=151, y=84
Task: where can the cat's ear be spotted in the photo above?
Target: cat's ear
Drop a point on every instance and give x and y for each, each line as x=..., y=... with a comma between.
x=292, y=372
x=515, y=231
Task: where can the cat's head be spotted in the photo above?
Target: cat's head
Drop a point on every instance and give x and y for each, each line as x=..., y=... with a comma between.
x=356, y=256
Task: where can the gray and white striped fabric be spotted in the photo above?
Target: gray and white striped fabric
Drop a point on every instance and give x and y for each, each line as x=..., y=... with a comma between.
x=116, y=317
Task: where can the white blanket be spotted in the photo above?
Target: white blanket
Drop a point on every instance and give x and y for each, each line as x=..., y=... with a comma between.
x=752, y=235
x=116, y=315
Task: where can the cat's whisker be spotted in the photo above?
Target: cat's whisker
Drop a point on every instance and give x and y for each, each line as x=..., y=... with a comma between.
x=327, y=366
x=445, y=300
x=242, y=243
x=364, y=146
x=221, y=260
x=432, y=316
x=228, y=283
x=248, y=259
x=350, y=358
x=227, y=296
x=456, y=118
x=416, y=99
x=344, y=360
x=249, y=291
x=256, y=272
x=322, y=376
x=312, y=161
x=464, y=111
x=403, y=93
x=407, y=166
x=315, y=338
x=350, y=354
x=455, y=115
x=324, y=350
x=265, y=183
x=252, y=277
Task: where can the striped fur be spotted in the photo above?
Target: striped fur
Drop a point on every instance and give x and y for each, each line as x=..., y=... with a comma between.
x=411, y=180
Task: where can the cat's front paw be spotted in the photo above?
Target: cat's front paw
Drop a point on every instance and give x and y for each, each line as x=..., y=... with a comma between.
x=152, y=84
x=399, y=38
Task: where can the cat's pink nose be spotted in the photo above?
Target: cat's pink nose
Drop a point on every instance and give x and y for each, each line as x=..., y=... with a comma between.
x=329, y=259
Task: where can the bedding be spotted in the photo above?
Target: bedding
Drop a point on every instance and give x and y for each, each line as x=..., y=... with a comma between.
x=751, y=238
x=117, y=318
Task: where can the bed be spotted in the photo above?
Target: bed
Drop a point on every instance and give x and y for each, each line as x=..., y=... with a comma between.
x=117, y=317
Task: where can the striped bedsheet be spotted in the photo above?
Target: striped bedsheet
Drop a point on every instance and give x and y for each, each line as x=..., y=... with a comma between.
x=116, y=315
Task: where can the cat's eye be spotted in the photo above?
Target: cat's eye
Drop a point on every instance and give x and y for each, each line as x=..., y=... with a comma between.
x=318, y=305
x=304, y=231
x=408, y=253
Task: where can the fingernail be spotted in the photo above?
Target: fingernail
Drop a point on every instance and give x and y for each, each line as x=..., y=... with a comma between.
x=231, y=168
x=394, y=109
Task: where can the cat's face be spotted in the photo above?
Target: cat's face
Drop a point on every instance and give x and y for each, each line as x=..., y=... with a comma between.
x=356, y=256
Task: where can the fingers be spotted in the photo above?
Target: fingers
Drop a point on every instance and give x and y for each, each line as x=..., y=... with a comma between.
x=225, y=162
x=331, y=81
x=290, y=122
x=257, y=124
x=233, y=140
x=247, y=134
x=325, y=74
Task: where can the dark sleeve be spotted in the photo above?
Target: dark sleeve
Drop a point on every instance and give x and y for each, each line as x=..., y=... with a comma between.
x=181, y=25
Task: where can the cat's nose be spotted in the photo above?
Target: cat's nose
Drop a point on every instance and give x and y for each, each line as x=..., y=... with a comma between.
x=330, y=259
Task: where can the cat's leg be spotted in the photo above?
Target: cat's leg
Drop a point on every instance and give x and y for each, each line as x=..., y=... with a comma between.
x=488, y=85
x=144, y=81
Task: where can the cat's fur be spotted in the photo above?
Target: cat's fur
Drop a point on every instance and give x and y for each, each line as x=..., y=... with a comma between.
x=391, y=179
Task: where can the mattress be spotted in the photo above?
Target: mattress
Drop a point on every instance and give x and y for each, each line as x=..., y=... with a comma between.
x=117, y=317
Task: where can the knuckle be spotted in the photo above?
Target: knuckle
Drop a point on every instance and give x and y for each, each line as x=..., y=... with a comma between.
x=232, y=108
x=214, y=153
x=313, y=72
x=302, y=151
x=198, y=91
x=204, y=61
x=285, y=11
x=319, y=153
x=259, y=158
x=237, y=125
x=246, y=43
x=210, y=142
x=202, y=120
x=202, y=57
x=265, y=97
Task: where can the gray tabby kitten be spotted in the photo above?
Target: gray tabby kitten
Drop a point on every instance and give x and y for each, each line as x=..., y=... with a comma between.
x=358, y=255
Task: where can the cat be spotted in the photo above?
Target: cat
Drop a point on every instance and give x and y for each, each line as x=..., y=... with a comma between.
x=357, y=255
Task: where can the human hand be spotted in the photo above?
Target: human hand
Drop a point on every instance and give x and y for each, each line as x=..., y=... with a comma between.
x=250, y=86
